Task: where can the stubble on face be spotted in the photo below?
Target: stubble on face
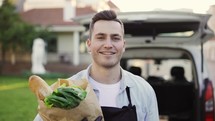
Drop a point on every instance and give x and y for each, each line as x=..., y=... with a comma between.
x=107, y=44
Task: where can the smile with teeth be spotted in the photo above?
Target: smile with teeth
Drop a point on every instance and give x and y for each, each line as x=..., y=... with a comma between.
x=107, y=53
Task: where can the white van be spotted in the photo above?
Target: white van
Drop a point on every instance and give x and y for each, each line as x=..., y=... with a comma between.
x=166, y=48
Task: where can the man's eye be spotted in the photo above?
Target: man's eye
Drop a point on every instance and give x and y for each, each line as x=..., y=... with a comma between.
x=116, y=38
x=100, y=38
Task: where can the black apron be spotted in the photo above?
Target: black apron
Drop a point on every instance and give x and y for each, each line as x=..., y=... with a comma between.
x=126, y=113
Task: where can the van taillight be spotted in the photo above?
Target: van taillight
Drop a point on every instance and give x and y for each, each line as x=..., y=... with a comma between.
x=209, y=101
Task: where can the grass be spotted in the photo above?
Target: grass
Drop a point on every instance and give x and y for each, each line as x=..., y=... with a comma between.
x=17, y=101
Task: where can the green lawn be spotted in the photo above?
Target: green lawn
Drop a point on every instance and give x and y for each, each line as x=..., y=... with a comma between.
x=17, y=102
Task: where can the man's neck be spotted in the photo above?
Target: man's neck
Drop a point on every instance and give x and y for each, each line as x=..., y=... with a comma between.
x=105, y=75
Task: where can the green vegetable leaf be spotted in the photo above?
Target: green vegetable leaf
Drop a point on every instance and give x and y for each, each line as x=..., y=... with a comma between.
x=66, y=97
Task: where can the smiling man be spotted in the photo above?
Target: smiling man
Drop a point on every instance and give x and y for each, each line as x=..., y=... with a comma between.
x=106, y=46
x=122, y=95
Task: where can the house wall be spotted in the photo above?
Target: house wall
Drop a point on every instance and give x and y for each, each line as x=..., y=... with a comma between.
x=65, y=46
x=31, y=4
x=65, y=50
x=65, y=43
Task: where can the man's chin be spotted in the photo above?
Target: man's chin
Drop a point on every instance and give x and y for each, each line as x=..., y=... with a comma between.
x=109, y=65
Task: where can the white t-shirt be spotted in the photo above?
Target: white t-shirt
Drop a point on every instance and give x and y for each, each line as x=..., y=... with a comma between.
x=107, y=92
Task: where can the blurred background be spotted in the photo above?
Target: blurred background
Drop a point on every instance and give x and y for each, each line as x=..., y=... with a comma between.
x=52, y=21
x=22, y=22
x=65, y=44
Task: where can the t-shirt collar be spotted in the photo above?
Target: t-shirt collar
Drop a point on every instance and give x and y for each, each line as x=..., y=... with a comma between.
x=124, y=81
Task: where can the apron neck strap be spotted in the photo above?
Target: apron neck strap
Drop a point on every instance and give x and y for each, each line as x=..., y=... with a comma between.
x=129, y=97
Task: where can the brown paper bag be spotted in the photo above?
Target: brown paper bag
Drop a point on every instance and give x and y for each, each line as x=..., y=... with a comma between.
x=89, y=108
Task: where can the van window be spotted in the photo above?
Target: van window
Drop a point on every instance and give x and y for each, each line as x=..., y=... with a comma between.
x=177, y=34
x=161, y=68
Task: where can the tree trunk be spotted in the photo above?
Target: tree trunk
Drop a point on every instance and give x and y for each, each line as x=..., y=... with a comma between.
x=13, y=58
x=2, y=62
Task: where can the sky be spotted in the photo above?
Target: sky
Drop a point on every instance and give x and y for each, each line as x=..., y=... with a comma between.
x=197, y=6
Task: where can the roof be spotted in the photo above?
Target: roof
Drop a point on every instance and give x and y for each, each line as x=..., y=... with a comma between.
x=52, y=16
x=112, y=6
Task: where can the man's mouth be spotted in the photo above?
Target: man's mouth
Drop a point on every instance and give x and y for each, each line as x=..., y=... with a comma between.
x=107, y=53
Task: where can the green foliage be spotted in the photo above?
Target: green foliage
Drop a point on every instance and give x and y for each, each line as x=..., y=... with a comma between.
x=15, y=33
x=9, y=22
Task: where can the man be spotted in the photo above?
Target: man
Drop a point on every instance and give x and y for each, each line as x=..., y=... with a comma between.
x=118, y=91
x=122, y=95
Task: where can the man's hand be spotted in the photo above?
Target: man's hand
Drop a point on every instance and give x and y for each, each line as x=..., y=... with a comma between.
x=97, y=119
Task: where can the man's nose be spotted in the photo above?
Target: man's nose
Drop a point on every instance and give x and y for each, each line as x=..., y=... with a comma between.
x=108, y=43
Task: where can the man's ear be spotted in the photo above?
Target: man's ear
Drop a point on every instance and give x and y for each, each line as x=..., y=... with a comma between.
x=124, y=46
x=88, y=44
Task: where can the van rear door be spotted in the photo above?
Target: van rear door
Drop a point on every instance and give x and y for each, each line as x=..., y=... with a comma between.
x=161, y=27
x=166, y=27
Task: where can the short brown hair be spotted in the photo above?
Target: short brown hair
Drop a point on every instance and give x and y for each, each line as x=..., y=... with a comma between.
x=108, y=15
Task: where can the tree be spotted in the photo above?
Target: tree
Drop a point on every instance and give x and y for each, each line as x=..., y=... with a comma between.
x=15, y=34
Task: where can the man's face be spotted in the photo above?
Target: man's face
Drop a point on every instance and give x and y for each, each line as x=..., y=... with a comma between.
x=107, y=44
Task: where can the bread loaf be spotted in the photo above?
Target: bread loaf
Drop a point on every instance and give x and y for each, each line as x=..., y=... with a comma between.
x=39, y=87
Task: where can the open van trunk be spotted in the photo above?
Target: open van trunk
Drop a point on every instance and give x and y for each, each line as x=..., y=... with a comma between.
x=175, y=95
x=163, y=44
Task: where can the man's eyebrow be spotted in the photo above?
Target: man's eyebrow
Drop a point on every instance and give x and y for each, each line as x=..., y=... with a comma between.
x=100, y=34
x=114, y=35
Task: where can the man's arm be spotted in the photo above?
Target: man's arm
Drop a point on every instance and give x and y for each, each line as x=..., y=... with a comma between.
x=153, y=114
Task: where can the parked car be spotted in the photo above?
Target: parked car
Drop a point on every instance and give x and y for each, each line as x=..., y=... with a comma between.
x=166, y=48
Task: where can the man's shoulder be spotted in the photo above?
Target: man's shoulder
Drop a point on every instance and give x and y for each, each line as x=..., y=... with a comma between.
x=137, y=81
x=80, y=75
x=135, y=78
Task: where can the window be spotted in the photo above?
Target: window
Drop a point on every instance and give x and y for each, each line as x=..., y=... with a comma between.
x=52, y=45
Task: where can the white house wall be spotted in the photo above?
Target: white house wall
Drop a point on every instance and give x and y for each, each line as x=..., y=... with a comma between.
x=65, y=45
